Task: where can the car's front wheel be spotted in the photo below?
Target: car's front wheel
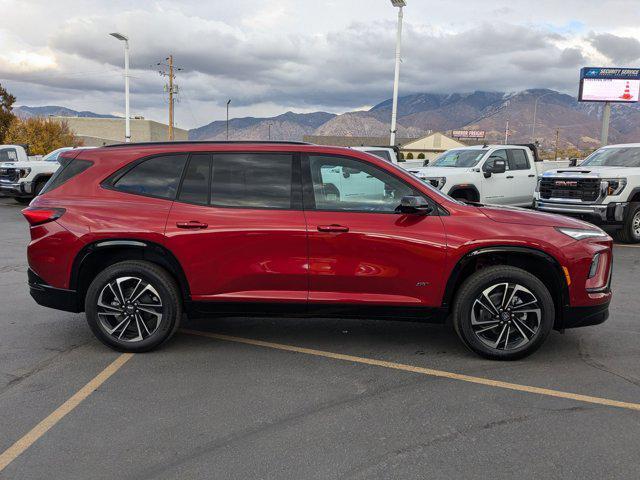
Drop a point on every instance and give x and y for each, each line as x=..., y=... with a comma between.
x=133, y=306
x=630, y=232
x=503, y=313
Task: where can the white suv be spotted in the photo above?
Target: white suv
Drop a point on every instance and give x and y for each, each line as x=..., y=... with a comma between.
x=604, y=189
x=23, y=179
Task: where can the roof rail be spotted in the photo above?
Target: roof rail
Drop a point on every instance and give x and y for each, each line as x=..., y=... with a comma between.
x=207, y=142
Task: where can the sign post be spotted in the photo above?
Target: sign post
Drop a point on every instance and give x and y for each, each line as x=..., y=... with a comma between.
x=609, y=85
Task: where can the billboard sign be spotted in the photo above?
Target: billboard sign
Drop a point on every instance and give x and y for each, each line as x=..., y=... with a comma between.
x=621, y=85
x=468, y=133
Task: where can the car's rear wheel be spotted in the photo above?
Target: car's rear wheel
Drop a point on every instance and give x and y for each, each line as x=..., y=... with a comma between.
x=630, y=232
x=503, y=313
x=133, y=306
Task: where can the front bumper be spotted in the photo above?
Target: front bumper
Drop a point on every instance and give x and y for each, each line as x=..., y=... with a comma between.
x=17, y=189
x=48, y=296
x=611, y=214
x=574, y=317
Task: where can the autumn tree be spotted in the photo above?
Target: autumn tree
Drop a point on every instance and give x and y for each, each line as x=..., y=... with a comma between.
x=42, y=135
x=6, y=112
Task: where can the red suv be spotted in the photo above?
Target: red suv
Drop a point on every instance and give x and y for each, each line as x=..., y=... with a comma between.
x=137, y=234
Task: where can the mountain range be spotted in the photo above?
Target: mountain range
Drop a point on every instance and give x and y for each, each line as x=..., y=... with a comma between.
x=576, y=124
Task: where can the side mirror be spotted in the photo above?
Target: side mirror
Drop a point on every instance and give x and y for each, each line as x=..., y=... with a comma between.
x=425, y=163
x=495, y=165
x=414, y=204
x=573, y=162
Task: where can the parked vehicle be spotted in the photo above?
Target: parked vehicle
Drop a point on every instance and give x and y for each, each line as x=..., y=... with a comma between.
x=604, y=190
x=24, y=177
x=496, y=174
x=390, y=154
x=144, y=232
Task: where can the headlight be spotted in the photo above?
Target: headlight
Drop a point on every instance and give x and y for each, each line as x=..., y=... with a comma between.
x=580, y=234
x=613, y=186
x=437, y=182
x=24, y=172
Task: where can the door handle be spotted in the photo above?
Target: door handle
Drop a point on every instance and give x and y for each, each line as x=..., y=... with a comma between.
x=333, y=228
x=531, y=176
x=509, y=176
x=193, y=225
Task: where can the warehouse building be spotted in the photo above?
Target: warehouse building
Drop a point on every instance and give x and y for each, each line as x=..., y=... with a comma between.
x=97, y=132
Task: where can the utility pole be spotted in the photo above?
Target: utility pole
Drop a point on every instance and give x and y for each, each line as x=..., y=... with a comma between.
x=557, y=139
x=506, y=133
x=172, y=88
x=269, y=132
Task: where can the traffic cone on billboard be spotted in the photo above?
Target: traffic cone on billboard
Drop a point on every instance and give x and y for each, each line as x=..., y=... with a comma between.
x=627, y=93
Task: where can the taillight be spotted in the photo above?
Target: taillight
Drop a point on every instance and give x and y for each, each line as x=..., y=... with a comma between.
x=39, y=215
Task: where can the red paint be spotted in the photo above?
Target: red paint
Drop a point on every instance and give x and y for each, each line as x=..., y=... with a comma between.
x=295, y=255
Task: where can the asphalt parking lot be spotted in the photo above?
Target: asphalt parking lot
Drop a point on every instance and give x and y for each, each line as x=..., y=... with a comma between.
x=313, y=398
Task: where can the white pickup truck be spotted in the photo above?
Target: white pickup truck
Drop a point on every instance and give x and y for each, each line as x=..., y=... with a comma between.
x=22, y=177
x=604, y=190
x=494, y=174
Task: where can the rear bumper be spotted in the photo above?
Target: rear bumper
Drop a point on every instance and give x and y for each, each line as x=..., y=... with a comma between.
x=18, y=189
x=48, y=296
x=611, y=214
x=574, y=317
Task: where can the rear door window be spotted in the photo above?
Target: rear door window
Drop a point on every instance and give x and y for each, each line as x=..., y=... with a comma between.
x=518, y=160
x=252, y=180
x=154, y=177
x=195, y=186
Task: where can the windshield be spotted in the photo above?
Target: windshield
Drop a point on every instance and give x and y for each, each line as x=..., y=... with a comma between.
x=53, y=156
x=614, y=157
x=459, y=158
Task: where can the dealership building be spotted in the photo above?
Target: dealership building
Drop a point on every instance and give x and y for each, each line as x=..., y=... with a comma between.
x=97, y=132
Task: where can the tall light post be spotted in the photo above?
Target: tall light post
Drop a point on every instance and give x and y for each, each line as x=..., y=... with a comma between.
x=396, y=80
x=127, y=121
x=228, y=102
x=535, y=111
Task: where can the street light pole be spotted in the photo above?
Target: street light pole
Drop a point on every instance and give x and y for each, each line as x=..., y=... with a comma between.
x=228, y=102
x=396, y=80
x=127, y=119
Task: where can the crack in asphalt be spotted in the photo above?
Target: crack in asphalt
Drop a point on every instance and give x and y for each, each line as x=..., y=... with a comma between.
x=402, y=454
x=39, y=367
x=587, y=359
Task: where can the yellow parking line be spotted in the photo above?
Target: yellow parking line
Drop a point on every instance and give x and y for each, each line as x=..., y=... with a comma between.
x=11, y=453
x=626, y=246
x=423, y=371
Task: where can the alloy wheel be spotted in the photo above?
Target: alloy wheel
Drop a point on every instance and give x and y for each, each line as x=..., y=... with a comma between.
x=506, y=316
x=635, y=224
x=129, y=309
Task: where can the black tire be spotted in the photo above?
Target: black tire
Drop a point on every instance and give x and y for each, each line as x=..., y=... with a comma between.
x=630, y=232
x=536, y=325
x=23, y=200
x=38, y=187
x=153, y=331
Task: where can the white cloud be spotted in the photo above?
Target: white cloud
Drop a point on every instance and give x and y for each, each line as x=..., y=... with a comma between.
x=270, y=56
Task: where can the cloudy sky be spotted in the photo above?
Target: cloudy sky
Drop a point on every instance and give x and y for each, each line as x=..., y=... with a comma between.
x=270, y=56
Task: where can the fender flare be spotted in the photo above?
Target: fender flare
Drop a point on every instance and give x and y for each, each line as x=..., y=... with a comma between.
x=635, y=191
x=465, y=186
x=151, y=251
x=447, y=298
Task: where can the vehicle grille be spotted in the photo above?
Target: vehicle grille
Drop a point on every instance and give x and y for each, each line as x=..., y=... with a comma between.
x=583, y=189
x=9, y=174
